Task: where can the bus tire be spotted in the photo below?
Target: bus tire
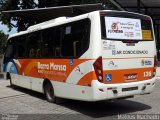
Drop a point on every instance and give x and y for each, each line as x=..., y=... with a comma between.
x=8, y=76
x=49, y=92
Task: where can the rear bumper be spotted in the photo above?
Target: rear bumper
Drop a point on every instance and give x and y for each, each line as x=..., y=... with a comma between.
x=112, y=91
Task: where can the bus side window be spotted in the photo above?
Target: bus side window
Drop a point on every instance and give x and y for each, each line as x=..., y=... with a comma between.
x=58, y=52
x=20, y=46
x=38, y=53
x=45, y=51
x=32, y=53
x=67, y=46
x=9, y=51
x=21, y=51
x=33, y=44
x=77, y=48
x=51, y=42
x=76, y=38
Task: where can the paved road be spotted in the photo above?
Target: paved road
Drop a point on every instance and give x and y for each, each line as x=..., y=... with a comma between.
x=28, y=105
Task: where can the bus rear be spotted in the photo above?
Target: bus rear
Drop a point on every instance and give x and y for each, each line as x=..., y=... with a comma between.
x=127, y=63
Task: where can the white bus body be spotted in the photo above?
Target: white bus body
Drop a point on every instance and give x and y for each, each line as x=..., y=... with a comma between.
x=117, y=56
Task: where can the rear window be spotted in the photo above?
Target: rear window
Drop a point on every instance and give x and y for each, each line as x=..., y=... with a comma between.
x=126, y=26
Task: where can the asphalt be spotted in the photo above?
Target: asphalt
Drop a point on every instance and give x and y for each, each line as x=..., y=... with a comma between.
x=29, y=105
x=23, y=104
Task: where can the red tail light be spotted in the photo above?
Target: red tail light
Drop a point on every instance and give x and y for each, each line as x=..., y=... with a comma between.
x=155, y=65
x=98, y=69
x=155, y=61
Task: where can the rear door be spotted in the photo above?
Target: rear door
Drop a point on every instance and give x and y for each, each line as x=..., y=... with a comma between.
x=128, y=47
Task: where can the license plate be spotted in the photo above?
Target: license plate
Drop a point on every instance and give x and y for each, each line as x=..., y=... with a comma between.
x=130, y=76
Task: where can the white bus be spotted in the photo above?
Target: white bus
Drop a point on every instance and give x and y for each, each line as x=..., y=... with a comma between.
x=96, y=56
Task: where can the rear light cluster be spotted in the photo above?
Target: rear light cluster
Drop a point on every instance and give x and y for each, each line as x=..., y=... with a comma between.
x=155, y=61
x=98, y=69
x=155, y=65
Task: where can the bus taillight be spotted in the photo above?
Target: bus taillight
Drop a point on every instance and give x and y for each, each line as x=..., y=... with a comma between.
x=155, y=64
x=98, y=69
x=155, y=61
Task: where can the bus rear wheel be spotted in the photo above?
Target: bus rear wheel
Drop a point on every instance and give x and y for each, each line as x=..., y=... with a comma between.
x=49, y=92
x=8, y=76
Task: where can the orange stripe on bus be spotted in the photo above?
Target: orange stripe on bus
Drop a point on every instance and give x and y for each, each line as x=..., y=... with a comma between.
x=87, y=79
x=118, y=76
x=29, y=67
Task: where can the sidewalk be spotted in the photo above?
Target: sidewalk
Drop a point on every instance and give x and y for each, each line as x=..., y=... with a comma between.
x=6, y=91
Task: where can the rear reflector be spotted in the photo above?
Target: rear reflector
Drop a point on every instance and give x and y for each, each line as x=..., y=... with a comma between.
x=100, y=89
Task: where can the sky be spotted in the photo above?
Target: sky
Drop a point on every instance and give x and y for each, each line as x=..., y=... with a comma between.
x=5, y=29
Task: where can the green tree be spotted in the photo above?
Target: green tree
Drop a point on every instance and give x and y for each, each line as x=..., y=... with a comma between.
x=3, y=40
x=53, y=3
x=23, y=23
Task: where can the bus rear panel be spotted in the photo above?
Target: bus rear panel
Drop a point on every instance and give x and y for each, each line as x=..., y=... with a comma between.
x=127, y=63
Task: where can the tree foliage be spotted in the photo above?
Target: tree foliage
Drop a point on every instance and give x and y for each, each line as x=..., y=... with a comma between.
x=3, y=40
x=22, y=23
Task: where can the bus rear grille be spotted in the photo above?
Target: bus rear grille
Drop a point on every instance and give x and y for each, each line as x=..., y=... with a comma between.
x=129, y=89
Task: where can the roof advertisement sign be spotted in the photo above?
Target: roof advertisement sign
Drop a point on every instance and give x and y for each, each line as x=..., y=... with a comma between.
x=123, y=28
